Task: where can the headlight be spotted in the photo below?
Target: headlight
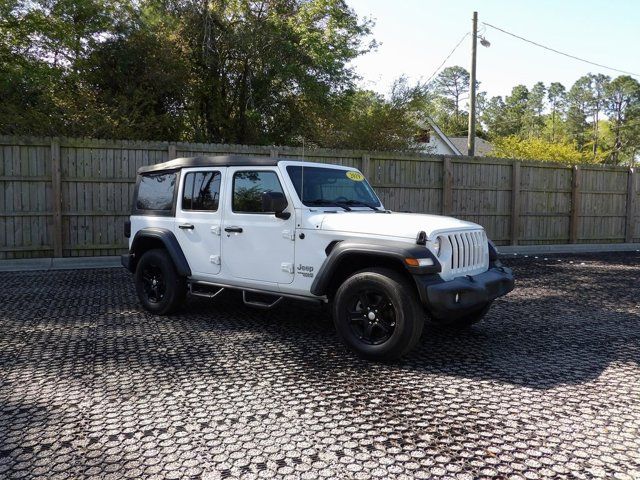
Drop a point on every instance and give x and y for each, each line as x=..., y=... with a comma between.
x=436, y=244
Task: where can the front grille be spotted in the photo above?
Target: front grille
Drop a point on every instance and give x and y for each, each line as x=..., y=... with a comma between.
x=467, y=250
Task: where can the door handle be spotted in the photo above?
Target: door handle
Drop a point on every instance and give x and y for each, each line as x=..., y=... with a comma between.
x=233, y=229
x=186, y=226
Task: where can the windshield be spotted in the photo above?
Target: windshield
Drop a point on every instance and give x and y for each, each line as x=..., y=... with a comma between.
x=332, y=187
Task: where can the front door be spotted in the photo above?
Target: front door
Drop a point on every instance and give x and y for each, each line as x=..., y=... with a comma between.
x=199, y=218
x=256, y=245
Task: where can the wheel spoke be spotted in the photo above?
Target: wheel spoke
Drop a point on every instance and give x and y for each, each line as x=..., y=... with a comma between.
x=355, y=316
x=368, y=330
x=382, y=327
x=380, y=302
x=363, y=299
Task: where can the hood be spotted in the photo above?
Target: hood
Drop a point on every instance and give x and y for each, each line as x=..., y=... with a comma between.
x=404, y=225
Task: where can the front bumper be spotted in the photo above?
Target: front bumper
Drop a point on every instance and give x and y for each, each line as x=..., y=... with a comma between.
x=463, y=295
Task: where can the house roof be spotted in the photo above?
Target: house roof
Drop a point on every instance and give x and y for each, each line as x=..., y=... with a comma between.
x=444, y=138
x=482, y=148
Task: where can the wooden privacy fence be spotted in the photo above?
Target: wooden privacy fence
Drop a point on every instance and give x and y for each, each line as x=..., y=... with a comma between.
x=70, y=197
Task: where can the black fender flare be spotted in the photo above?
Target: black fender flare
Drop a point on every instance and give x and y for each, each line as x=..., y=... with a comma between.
x=395, y=250
x=170, y=243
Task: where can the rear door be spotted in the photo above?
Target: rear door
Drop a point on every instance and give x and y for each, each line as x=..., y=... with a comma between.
x=199, y=218
x=256, y=245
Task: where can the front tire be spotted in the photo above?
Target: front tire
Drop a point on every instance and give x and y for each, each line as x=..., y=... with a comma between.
x=159, y=287
x=376, y=312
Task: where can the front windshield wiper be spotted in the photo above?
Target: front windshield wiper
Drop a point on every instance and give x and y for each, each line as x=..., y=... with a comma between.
x=358, y=203
x=321, y=202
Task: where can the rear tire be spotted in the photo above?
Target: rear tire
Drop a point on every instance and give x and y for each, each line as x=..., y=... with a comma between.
x=376, y=312
x=159, y=287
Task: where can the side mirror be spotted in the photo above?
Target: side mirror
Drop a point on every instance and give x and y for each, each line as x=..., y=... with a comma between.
x=275, y=202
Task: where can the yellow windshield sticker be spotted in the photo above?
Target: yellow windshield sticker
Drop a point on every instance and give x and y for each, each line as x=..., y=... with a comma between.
x=355, y=176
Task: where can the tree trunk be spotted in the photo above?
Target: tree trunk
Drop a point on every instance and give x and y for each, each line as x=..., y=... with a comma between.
x=595, y=134
x=241, y=133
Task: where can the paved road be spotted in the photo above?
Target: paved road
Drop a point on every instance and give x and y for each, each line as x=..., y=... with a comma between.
x=92, y=387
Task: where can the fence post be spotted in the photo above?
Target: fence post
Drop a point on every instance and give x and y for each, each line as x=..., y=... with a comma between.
x=574, y=221
x=273, y=153
x=173, y=153
x=56, y=197
x=515, y=202
x=631, y=197
x=447, y=186
x=366, y=166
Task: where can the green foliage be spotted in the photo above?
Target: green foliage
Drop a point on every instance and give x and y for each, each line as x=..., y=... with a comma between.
x=271, y=72
x=538, y=149
x=237, y=71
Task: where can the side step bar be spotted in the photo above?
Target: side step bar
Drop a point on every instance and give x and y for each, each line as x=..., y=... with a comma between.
x=260, y=304
x=203, y=293
x=205, y=288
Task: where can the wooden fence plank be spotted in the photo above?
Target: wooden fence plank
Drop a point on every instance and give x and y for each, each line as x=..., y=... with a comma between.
x=629, y=233
x=574, y=222
x=447, y=187
x=56, y=198
x=515, y=203
x=366, y=167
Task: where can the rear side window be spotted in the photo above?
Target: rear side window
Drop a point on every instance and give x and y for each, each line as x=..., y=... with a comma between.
x=248, y=187
x=201, y=191
x=155, y=191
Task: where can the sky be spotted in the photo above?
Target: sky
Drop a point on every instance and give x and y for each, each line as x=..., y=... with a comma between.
x=415, y=37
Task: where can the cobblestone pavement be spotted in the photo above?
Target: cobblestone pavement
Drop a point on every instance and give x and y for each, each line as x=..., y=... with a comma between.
x=93, y=387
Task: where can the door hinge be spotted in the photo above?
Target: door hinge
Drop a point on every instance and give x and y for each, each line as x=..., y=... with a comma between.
x=215, y=259
x=288, y=234
x=216, y=230
x=287, y=267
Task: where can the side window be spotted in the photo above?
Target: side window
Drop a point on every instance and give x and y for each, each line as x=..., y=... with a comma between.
x=155, y=191
x=201, y=191
x=248, y=187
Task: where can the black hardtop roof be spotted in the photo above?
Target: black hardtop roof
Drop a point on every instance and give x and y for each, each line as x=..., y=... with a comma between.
x=212, y=161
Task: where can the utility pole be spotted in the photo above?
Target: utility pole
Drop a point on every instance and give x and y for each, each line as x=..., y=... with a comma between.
x=471, y=138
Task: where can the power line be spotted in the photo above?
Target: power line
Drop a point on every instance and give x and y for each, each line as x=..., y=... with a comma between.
x=559, y=52
x=448, y=56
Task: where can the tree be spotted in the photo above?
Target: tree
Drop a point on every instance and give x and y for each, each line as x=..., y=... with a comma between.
x=579, y=101
x=143, y=91
x=516, y=106
x=557, y=96
x=599, y=84
x=535, y=106
x=451, y=85
x=366, y=120
x=260, y=66
x=537, y=149
x=623, y=107
x=493, y=118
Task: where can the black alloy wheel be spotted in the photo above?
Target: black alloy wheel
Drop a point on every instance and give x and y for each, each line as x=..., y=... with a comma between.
x=160, y=289
x=377, y=313
x=372, y=317
x=153, y=283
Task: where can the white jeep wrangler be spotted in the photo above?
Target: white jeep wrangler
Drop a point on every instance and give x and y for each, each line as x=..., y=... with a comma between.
x=276, y=228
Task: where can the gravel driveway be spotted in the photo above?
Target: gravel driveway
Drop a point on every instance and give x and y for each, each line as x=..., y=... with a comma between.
x=93, y=387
